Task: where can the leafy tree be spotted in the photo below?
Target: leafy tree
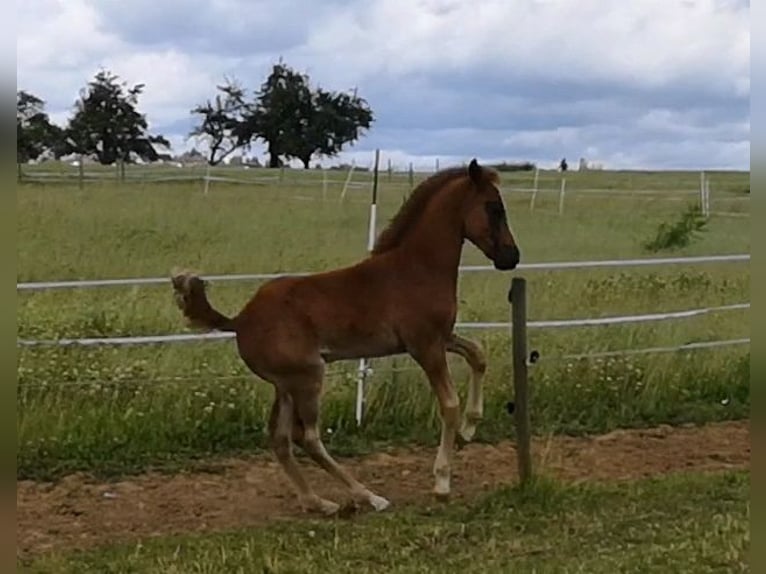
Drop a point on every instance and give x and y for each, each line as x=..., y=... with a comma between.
x=35, y=134
x=220, y=122
x=276, y=114
x=329, y=121
x=107, y=124
x=297, y=122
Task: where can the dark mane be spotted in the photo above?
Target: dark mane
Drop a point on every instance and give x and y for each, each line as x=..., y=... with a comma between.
x=401, y=223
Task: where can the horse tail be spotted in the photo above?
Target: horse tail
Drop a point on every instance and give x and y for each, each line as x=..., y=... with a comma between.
x=190, y=296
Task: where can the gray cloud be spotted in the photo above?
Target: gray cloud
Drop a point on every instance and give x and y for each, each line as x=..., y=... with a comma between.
x=649, y=83
x=231, y=28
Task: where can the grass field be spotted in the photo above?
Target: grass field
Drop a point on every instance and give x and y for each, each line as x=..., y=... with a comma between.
x=694, y=523
x=122, y=409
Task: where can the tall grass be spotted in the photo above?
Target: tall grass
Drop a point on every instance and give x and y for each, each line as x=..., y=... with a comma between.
x=119, y=409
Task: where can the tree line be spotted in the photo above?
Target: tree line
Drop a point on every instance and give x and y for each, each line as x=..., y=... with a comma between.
x=290, y=117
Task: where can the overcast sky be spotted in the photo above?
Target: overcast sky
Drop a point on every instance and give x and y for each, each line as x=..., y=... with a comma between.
x=638, y=84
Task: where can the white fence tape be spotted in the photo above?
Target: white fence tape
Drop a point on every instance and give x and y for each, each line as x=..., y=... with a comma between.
x=190, y=337
x=634, y=318
x=624, y=319
x=650, y=350
x=674, y=194
x=71, y=284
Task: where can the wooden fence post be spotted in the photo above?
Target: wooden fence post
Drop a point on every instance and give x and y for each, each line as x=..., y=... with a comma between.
x=518, y=298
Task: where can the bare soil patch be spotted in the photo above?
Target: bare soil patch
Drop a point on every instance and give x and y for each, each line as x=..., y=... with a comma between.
x=81, y=512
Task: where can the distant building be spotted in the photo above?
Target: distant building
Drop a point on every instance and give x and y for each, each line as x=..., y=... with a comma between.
x=586, y=165
x=191, y=157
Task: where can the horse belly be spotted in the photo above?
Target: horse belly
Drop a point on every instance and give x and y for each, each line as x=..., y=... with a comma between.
x=359, y=343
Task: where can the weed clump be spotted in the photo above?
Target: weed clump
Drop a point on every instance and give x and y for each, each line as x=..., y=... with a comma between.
x=679, y=233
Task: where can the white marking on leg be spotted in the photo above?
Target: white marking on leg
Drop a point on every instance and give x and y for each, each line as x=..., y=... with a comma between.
x=443, y=462
x=474, y=410
x=441, y=473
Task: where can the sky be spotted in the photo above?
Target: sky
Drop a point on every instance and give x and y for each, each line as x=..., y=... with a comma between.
x=662, y=84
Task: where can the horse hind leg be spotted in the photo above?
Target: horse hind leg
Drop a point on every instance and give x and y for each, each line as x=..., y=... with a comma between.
x=281, y=428
x=474, y=407
x=306, y=432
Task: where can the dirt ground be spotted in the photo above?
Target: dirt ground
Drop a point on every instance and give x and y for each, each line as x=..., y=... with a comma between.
x=80, y=512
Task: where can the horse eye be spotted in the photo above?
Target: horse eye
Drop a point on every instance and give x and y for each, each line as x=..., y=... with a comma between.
x=496, y=209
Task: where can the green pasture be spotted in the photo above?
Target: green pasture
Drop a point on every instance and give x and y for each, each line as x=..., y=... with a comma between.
x=118, y=409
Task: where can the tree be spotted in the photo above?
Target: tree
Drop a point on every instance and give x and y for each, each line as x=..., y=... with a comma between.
x=296, y=122
x=276, y=113
x=107, y=124
x=221, y=120
x=330, y=121
x=35, y=134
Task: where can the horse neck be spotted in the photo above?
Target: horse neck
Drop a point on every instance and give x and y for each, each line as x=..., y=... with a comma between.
x=436, y=241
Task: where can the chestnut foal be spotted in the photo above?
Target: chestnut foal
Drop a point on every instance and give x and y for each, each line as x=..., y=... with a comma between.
x=400, y=299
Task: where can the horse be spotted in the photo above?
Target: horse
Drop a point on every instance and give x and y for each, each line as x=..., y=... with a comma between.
x=401, y=298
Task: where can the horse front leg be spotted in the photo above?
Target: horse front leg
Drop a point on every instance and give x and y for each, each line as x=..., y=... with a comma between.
x=434, y=363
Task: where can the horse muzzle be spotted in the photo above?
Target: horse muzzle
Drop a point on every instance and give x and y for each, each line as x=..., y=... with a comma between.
x=507, y=258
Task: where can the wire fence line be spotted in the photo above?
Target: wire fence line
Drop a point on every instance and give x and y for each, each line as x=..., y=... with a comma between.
x=349, y=373
x=401, y=179
x=202, y=377
x=53, y=177
x=544, y=266
x=659, y=194
x=547, y=324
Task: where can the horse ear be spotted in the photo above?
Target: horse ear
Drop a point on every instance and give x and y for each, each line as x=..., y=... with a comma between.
x=474, y=171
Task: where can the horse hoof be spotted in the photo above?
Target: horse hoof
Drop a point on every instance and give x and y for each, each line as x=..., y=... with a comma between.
x=442, y=489
x=441, y=495
x=468, y=432
x=379, y=503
